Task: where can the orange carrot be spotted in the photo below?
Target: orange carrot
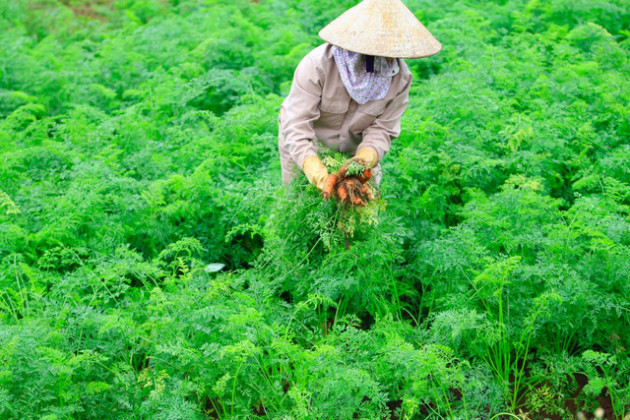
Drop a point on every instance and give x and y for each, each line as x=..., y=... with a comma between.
x=365, y=176
x=357, y=200
x=329, y=185
x=342, y=192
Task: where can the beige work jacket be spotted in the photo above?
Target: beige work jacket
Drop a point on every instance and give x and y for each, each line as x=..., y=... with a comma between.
x=319, y=107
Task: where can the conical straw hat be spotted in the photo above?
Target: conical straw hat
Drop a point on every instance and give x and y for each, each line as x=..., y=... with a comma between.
x=383, y=28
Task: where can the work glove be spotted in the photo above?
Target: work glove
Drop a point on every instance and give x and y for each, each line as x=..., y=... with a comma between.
x=366, y=157
x=315, y=171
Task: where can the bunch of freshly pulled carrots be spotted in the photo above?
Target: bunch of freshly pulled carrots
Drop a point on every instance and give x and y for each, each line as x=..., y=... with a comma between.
x=349, y=185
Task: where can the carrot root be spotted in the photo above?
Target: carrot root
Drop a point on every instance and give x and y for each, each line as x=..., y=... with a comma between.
x=329, y=186
x=342, y=192
x=365, y=176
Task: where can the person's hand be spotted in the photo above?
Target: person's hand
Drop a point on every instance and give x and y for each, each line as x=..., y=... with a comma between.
x=360, y=164
x=348, y=185
x=315, y=171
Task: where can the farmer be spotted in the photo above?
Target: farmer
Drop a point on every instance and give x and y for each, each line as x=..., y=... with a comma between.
x=350, y=93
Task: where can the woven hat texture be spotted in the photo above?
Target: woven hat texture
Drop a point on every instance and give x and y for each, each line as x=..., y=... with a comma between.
x=383, y=28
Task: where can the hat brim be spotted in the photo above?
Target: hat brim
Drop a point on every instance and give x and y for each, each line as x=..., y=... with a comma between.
x=384, y=28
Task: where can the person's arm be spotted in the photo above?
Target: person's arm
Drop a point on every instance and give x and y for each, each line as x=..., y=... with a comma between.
x=377, y=138
x=301, y=109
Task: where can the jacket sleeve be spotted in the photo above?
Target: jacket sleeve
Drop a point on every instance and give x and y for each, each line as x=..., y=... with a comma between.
x=386, y=126
x=300, y=110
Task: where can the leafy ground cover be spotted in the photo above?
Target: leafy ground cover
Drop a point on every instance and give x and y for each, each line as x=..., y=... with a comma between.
x=152, y=265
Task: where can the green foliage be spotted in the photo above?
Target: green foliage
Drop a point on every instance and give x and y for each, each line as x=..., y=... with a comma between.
x=152, y=266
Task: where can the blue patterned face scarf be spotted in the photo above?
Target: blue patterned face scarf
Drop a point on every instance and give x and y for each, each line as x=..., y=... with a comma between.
x=364, y=85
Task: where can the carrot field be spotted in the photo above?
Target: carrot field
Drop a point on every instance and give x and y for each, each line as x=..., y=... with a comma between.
x=153, y=266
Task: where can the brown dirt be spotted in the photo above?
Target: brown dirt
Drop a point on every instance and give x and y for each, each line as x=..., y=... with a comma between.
x=209, y=408
x=603, y=399
x=570, y=404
